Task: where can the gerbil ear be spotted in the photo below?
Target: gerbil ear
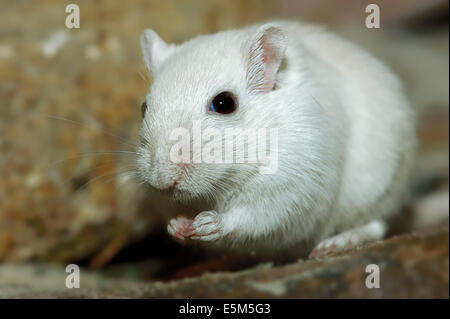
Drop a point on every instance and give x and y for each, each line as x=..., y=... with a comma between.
x=264, y=53
x=154, y=50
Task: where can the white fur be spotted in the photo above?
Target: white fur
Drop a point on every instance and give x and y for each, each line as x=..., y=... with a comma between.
x=346, y=134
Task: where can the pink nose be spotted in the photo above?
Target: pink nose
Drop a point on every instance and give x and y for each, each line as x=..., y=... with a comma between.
x=168, y=186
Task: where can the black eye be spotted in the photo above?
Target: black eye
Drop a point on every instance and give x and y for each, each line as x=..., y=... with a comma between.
x=143, y=109
x=223, y=103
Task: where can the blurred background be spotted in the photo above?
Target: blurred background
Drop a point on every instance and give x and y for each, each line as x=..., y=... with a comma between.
x=70, y=99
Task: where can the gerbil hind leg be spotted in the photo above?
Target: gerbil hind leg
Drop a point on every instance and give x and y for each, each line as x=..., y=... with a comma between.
x=375, y=230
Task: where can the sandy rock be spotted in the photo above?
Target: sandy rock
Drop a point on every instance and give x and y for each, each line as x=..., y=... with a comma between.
x=410, y=266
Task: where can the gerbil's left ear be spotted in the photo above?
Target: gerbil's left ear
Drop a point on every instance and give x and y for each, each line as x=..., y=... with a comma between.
x=264, y=53
x=154, y=50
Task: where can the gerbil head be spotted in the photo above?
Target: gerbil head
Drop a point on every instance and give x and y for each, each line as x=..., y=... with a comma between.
x=216, y=81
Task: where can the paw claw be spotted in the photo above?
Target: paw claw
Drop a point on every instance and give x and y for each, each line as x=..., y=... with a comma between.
x=313, y=253
x=346, y=240
x=330, y=245
x=179, y=227
x=206, y=226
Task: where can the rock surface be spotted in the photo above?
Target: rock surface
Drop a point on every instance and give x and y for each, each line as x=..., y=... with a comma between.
x=410, y=266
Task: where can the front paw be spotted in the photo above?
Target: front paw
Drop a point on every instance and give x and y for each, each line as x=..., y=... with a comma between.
x=179, y=227
x=207, y=226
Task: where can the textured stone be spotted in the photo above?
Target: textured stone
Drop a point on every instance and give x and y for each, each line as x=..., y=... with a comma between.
x=411, y=266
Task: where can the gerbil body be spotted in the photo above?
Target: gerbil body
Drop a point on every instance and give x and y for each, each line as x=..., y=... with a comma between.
x=346, y=138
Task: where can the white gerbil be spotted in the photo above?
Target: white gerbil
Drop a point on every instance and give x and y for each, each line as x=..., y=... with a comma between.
x=346, y=138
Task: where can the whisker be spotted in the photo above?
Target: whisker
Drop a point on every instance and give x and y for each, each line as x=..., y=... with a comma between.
x=92, y=170
x=127, y=173
x=119, y=138
x=97, y=178
x=146, y=80
x=93, y=154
